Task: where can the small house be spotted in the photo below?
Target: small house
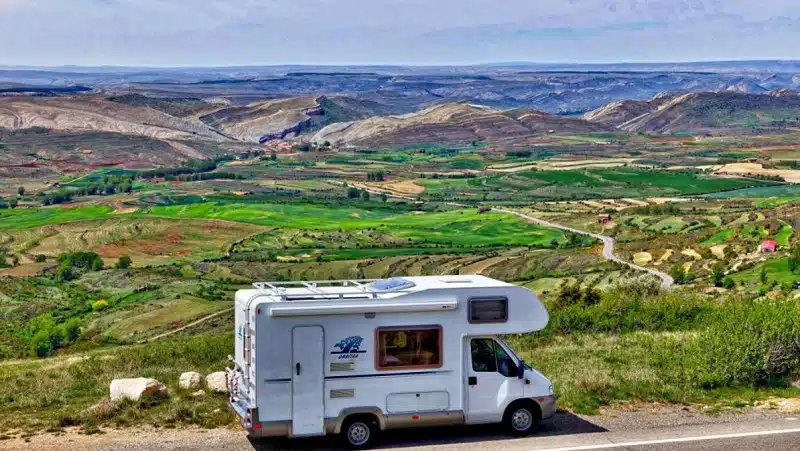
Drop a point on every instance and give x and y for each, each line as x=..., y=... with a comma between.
x=769, y=246
x=604, y=218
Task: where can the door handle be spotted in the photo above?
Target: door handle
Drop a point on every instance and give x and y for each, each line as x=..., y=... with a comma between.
x=472, y=380
x=297, y=368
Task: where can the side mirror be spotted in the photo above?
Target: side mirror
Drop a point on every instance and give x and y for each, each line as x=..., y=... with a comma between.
x=521, y=369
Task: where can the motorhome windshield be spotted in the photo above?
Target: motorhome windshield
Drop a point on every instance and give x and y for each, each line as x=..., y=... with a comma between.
x=513, y=354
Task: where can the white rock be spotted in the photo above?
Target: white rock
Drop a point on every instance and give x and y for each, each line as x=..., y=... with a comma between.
x=190, y=380
x=198, y=394
x=217, y=382
x=134, y=388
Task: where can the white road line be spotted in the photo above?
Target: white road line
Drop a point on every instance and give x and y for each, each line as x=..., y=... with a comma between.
x=675, y=440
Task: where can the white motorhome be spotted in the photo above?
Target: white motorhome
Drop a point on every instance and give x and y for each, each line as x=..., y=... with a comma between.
x=357, y=357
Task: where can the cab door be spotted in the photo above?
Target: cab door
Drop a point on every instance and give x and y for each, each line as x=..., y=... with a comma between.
x=492, y=382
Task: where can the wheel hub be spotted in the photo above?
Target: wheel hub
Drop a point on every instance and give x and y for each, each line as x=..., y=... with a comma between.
x=521, y=420
x=358, y=433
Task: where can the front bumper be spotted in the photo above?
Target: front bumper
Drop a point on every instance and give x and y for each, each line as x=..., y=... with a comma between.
x=547, y=405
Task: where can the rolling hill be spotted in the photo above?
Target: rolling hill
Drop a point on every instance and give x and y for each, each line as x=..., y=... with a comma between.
x=97, y=114
x=728, y=112
x=453, y=122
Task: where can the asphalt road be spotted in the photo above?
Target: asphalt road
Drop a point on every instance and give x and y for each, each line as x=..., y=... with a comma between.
x=608, y=246
x=665, y=429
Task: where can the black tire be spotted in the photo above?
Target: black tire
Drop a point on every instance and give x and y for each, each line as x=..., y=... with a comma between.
x=522, y=418
x=360, y=432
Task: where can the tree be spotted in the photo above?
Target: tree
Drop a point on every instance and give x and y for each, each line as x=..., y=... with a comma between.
x=718, y=274
x=763, y=276
x=12, y=203
x=729, y=283
x=353, y=193
x=794, y=258
x=569, y=294
x=124, y=262
x=41, y=345
x=273, y=156
x=384, y=197
x=591, y=296
x=21, y=190
x=364, y=194
x=40, y=258
x=678, y=273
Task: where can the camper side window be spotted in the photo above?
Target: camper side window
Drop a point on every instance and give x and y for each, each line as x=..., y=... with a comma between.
x=408, y=348
x=488, y=310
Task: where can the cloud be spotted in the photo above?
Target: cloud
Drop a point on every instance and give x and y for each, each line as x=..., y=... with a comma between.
x=219, y=32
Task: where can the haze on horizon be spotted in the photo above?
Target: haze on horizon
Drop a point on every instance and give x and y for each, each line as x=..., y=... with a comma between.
x=252, y=32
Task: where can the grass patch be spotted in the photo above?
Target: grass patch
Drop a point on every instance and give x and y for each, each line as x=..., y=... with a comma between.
x=718, y=238
x=784, y=235
x=777, y=269
x=61, y=392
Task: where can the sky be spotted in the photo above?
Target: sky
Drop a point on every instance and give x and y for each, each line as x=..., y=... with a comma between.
x=425, y=32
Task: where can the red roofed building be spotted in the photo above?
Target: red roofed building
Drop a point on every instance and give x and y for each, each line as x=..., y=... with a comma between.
x=769, y=246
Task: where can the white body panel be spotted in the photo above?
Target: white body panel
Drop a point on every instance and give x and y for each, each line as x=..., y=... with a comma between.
x=349, y=378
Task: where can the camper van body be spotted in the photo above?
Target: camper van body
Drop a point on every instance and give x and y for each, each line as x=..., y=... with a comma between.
x=402, y=352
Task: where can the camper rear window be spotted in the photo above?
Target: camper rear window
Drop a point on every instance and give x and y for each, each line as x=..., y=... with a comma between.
x=409, y=348
x=488, y=310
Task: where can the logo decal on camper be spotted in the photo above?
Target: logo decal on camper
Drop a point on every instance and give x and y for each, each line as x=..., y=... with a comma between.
x=349, y=348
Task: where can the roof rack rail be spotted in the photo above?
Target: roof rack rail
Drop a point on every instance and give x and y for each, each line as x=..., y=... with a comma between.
x=320, y=289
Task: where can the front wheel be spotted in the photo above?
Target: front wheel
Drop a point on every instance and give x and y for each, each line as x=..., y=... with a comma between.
x=360, y=433
x=521, y=419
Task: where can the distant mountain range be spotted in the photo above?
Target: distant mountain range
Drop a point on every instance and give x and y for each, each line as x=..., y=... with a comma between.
x=154, y=118
x=553, y=88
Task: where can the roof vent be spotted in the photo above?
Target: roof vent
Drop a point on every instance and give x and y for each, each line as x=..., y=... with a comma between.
x=395, y=283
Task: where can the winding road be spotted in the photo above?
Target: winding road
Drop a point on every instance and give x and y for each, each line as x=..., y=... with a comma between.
x=608, y=246
x=608, y=243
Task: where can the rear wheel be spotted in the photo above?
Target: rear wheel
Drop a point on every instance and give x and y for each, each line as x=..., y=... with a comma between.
x=521, y=418
x=360, y=432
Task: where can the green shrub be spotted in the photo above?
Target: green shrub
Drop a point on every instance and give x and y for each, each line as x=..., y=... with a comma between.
x=624, y=309
x=41, y=345
x=750, y=343
x=99, y=305
x=124, y=262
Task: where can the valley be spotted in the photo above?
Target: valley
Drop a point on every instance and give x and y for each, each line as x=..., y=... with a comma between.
x=131, y=212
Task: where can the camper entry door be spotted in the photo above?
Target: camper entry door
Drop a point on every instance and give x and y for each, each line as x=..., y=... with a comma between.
x=308, y=379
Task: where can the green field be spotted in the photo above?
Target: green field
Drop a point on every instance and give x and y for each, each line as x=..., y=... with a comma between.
x=588, y=184
x=777, y=269
x=459, y=227
x=23, y=218
x=784, y=235
x=779, y=191
x=718, y=238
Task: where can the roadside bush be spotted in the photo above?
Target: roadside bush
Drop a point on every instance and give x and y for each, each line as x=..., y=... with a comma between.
x=748, y=343
x=624, y=309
